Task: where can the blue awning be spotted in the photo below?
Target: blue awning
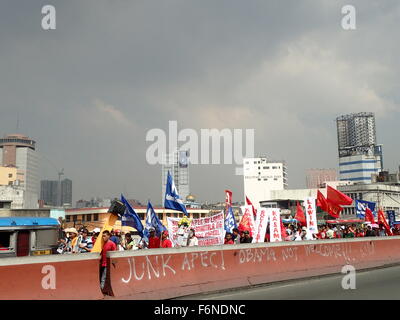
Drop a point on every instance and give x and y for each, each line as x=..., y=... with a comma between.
x=27, y=221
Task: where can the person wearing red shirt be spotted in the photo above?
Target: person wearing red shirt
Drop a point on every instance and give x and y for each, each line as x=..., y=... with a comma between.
x=108, y=246
x=165, y=242
x=154, y=242
x=228, y=238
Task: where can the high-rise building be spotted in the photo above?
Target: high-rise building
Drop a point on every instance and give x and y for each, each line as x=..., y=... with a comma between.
x=66, y=192
x=49, y=192
x=20, y=152
x=262, y=176
x=316, y=177
x=359, y=154
x=177, y=164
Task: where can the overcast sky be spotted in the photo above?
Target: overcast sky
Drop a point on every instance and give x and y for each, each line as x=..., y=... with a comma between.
x=89, y=91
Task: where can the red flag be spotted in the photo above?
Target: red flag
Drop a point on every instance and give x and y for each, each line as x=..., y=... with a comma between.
x=283, y=231
x=338, y=197
x=300, y=217
x=247, y=222
x=332, y=208
x=250, y=204
x=321, y=201
x=382, y=220
x=369, y=216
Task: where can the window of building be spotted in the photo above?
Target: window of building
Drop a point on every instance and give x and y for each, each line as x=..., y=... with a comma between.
x=96, y=217
x=195, y=215
x=259, y=179
x=5, y=240
x=265, y=179
x=74, y=218
x=175, y=215
x=88, y=217
x=276, y=179
x=83, y=217
x=67, y=218
x=168, y=214
x=160, y=216
x=274, y=167
x=10, y=175
x=46, y=238
x=141, y=215
x=10, y=183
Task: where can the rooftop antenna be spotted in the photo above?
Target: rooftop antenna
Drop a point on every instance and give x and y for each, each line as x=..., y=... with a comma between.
x=17, y=123
x=59, y=200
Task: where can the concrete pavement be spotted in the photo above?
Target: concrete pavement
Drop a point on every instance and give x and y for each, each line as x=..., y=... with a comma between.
x=383, y=283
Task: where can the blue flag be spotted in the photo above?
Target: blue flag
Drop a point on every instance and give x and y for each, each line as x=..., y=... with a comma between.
x=131, y=218
x=152, y=221
x=172, y=199
x=392, y=217
x=230, y=221
x=362, y=205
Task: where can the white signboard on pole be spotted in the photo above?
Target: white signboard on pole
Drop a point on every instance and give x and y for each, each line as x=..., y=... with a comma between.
x=275, y=224
x=261, y=225
x=311, y=215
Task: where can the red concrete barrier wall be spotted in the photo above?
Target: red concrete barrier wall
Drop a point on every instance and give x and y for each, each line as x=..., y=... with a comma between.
x=166, y=273
x=69, y=277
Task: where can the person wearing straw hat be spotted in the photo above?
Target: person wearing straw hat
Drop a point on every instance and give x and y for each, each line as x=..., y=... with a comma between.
x=73, y=235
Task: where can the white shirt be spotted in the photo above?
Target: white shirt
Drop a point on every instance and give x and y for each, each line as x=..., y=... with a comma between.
x=193, y=242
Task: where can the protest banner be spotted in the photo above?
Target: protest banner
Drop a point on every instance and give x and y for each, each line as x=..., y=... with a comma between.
x=208, y=230
x=274, y=224
x=261, y=225
x=311, y=215
x=247, y=222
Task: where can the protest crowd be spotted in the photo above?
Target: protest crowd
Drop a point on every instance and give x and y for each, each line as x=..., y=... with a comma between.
x=256, y=225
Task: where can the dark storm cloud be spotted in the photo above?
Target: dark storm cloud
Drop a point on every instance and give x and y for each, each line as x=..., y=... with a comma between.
x=90, y=90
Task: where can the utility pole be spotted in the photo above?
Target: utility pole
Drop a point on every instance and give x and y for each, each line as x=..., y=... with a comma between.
x=59, y=198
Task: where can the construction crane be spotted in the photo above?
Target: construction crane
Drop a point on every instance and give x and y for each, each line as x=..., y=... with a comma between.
x=59, y=198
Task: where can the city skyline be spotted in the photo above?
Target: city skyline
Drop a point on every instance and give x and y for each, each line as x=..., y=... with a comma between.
x=89, y=91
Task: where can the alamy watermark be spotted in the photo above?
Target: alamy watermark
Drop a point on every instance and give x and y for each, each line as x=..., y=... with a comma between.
x=349, y=280
x=204, y=147
x=349, y=20
x=49, y=18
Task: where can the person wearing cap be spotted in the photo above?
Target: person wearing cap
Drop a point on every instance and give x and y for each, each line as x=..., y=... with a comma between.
x=246, y=237
x=86, y=243
x=165, y=242
x=154, y=241
x=95, y=233
x=116, y=237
